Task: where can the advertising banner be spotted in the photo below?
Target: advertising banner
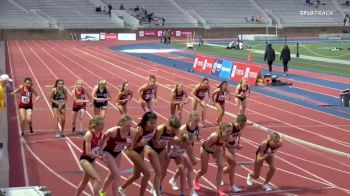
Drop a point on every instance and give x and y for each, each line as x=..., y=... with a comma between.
x=89, y=37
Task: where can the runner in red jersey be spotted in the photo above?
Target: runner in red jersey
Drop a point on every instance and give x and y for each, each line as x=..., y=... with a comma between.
x=198, y=94
x=219, y=97
x=177, y=100
x=265, y=152
x=156, y=150
x=214, y=145
x=242, y=93
x=231, y=146
x=147, y=93
x=25, y=105
x=118, y=139
x=80, y=97
x=144, y=132
x=124, y=96
x=91, y=151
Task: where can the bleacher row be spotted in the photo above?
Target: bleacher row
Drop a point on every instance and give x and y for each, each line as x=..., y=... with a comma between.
x=75, y=14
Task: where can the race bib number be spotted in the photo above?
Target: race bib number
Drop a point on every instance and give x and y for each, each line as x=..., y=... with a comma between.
x=95, y=151
x=119, y=147
x=201, y=94
x=221, y=97
x=25, y=99
x=149, y=95
x=80, y=102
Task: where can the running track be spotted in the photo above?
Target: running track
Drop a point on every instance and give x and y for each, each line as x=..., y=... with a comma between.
x=44, y=160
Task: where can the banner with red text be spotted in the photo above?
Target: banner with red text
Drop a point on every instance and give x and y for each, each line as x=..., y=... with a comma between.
x=234, y=71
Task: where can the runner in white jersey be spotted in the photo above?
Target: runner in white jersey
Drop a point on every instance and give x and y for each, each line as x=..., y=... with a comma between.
x=192, y=129
x=177, y=152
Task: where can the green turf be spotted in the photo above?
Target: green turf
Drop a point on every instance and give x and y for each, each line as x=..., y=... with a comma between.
x=310, y=49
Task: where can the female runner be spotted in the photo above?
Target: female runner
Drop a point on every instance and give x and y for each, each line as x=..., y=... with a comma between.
x=144, y=132
x=101, y=96
x=118, y=139
x=81, y=97
x=58, y=99
x=192, y=129
x=214, y=145
x=242, y=93
x=266, y=153
x=198, y=94
x=231, y=145
x=177, y=152
x=177, y=100
x=25, y=105
x=91, y=151
x=147, y=92
x=157, y=152
x=219, y=97
x=124, y=96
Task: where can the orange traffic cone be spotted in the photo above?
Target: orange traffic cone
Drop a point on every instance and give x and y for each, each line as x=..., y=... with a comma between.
x=250, y=57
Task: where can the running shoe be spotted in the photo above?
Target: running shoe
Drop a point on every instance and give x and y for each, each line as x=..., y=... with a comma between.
x=102, y=193
x=31, y=129
x=73, y=130
x=222, y=183
x=173, y=184
x=182, y=194
x=193, y=193
x=221, y=192
x=236, y=189
x=249, y=180
x=196, y=186
x=266, y=187
x=62, y=134
x=121, y=191
x=58, y=135
x=22, y=134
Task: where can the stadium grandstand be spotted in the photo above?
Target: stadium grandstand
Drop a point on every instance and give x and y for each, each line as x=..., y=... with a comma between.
x=77, y=14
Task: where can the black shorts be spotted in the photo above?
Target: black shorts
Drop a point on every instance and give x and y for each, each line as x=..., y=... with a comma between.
x=139, y=149
x=26, y=107
x=88, y=158
x=112, y=152
x=241, y=98
x=158, y=150
x=203, y=146
x=100, y=105
x=53, y=105
x=147, y=100
x=172, y=157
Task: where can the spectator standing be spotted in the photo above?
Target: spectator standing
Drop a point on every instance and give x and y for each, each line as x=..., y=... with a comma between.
x=168, y=35
x=307, y=2
x=110, y=10
x=122, y=7
x=269, y=56
x=200, y=42
x=4, y=79
x=346, y=19
x=285, y=57
x=104, y=11
x=163, y=21
x=164, y=37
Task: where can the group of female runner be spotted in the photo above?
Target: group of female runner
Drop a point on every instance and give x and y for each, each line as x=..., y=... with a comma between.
x=159, y=144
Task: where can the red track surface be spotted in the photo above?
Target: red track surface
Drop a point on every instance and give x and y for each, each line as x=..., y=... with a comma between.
x=53, y=162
